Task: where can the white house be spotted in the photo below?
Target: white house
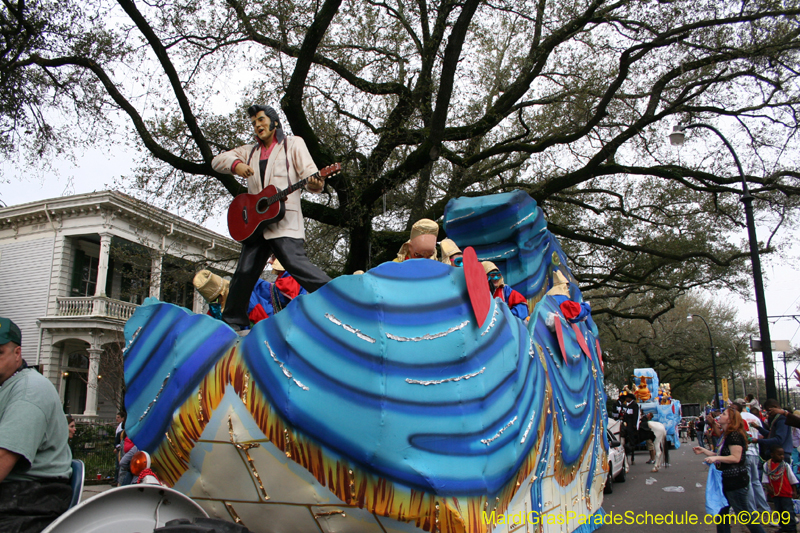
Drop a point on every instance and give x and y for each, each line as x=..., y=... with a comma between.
x=73, y=270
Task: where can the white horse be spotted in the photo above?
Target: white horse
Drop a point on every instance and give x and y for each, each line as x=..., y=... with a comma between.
x=660, y=443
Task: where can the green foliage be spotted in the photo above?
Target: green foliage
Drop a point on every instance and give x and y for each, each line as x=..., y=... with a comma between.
x=37, y=95
x=94, y=445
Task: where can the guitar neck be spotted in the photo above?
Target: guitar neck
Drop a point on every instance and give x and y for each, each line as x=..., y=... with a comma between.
x=289, y=190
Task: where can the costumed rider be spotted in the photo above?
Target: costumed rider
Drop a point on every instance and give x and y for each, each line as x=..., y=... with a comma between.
x=516, y=302
x=422, y=242
x=573, y=311
x=451, y=253
x=630, y=424
x=281, y=161
x=285, y=289
x=215, y=289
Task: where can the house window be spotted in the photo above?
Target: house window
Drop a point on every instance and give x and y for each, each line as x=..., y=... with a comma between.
x=135, y=286
x=176, y=282
x=84, y=275
x=89, y=276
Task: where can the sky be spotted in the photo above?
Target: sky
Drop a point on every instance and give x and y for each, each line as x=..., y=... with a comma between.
x=96, y=171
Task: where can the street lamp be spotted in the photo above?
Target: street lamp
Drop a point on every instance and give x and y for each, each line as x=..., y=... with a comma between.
x=676, y=138
x=717, y=403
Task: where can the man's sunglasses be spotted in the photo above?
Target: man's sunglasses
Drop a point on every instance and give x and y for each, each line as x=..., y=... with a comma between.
x=458, y=261
x=494, y=276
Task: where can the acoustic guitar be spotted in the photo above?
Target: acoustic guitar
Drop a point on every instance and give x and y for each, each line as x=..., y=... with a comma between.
x=249, y=214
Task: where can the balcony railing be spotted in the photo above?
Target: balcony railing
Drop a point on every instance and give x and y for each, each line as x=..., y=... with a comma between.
x=95, y=306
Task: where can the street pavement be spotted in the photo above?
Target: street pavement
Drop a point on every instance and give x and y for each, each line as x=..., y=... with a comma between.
x=686, y=470
x=93, y=490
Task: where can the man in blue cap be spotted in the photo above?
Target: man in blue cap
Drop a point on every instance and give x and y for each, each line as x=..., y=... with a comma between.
x=35, y=459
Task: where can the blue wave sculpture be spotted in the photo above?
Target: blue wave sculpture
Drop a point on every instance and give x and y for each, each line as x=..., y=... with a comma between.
x=386, y=394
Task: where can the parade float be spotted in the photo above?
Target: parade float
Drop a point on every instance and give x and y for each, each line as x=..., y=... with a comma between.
x=659, y=402
x=401, y=400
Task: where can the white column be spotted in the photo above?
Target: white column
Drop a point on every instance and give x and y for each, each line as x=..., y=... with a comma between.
x=91, y=385
x=197, y=304
x=102, y=264
x=155, y=276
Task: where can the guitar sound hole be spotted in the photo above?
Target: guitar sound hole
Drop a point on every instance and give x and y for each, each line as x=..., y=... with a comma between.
x=262, y=205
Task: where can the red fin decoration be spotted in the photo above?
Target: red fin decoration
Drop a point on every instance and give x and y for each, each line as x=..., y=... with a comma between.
x=477, y=286
x=600, y=356
x=560, y=337
x=581, y=340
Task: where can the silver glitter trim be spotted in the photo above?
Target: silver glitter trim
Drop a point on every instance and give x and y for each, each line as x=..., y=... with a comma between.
x=350, y=328
x=552, y=356
x=528, y=429
x=133, y=338
x=563, y=416
x=500, y=256
x=579, y=405
x=523, y=220
x=285, y=370
x=428, y=336
x=459, y=218
x=156, y=398
x=585, y=424
x=497, y=435
x=494, y=319
x=439, y=382
x=531, y=351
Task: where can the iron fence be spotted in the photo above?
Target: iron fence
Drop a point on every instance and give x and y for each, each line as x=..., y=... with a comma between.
x=93, y=444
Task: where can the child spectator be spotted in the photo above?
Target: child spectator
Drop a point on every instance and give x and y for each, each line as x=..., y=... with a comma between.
x=782, y=484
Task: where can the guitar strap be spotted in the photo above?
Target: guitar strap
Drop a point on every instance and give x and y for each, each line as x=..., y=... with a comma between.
x=251, y=154
x=286, y=152
x=250, y=158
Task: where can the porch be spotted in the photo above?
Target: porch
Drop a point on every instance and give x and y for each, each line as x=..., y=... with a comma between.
x=94, y=306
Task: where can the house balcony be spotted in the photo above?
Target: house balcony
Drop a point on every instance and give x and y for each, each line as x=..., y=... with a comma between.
x=95, y=306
